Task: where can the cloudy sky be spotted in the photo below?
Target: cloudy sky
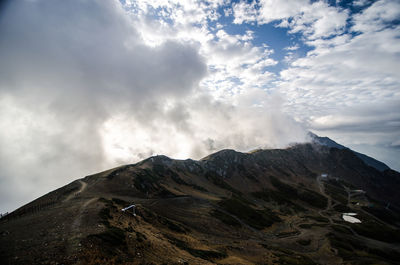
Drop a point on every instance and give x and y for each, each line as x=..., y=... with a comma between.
x=86, y=85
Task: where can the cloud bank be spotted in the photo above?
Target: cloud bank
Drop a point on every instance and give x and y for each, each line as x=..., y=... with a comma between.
x=86, y=85
x=83, y=88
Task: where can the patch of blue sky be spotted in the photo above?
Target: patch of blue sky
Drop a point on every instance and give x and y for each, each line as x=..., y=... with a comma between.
x=276, y=38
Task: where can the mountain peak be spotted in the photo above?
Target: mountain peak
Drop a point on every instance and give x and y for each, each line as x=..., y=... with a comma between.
x=227, y=208
x=366, y=159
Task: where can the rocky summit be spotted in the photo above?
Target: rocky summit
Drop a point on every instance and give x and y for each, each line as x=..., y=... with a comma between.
x=307, y=204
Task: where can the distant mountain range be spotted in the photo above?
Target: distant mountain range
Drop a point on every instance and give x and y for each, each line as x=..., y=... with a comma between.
x=276, y=206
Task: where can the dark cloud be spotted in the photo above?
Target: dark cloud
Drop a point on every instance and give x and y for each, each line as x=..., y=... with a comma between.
x=66, y=68
x=81, y=90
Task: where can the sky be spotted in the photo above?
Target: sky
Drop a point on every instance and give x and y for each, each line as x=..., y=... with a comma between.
x=87, y=85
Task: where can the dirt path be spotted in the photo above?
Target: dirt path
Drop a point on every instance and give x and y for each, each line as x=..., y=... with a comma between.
x=75, y=231
x=329, y=204
x=322, y=190
x=329, y=207
x=77, y=221
x=81, y=189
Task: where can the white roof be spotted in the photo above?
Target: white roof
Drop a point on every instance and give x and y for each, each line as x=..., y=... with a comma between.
x=127, y=208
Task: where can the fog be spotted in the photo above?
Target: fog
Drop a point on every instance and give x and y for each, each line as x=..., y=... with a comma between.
x=81, y=92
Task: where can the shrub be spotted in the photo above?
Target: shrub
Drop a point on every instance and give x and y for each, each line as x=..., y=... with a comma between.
x=304, y=242
x=255, y=218
x=200, y=253
x=225, y=218
x=113, y=236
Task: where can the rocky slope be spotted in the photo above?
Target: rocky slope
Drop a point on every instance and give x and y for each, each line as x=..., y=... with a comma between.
x=281, y=206
x=366, y=159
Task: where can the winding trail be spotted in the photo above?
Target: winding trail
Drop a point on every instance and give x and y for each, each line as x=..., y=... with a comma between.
x=329, y=207
x=77, y=221
x=75, y=230
x=81, y=189
x=329, y=204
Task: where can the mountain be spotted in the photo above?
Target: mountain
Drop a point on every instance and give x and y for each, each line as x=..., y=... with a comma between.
x=367, y=159
x=278, y=206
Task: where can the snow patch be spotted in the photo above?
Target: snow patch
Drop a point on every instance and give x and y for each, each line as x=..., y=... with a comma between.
x=348, y=217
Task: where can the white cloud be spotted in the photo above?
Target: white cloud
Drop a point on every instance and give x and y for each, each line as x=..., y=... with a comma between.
x=313, y=19
x=319, y=20
x=349, y=84
x=342, y=74
x=361, y=2
x=377, y=16
x=88, y=85
x=234, y=63
x=244, y=12
x=205, y=121
x=63, y=74
x=292, y=48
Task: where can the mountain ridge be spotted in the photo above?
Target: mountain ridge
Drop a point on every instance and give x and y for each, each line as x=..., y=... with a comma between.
x=265, y=207
x=367, y=159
